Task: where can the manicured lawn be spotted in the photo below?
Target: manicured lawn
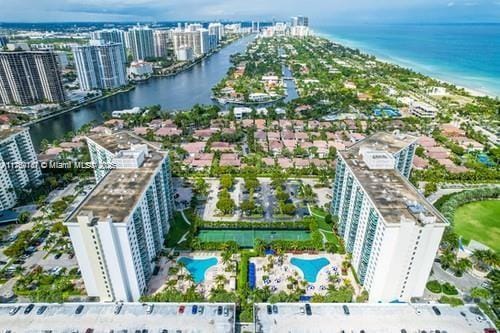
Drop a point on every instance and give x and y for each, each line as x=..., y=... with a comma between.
x=479, y=221
x=178, y=228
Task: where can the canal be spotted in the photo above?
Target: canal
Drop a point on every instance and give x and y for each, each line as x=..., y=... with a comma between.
x=177, y=92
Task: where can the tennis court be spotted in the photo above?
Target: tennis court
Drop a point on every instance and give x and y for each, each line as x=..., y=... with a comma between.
x=245, y=238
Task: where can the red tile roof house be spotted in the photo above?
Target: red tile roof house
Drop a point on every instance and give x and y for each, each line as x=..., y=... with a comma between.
x=355, y=137
x=115, y=123
x=313, y=124
x=273, y=135
x=301, y=136
x=451, y=166
x=336, y=144
x=468, y=144
x=260, y=123
x=426, y=141
x=247, y=123
x=298, y=125
x=199, y=161
x=290, y=144
x=301, y=163
x=451, y=130
x=268, y=161
x=230, y=160
x=203, y=134
x=323, y=148
x=155, y=123
x=302, y=108
x=287, y=135
x=168, y=131
x=193, y=148
x=223, y=147
x=319, y=163
x=141, y=130
x=286, y=124
x=419, y=163
x=437, y=152
x=285, y=163
x=275, y=147
x=260, y=135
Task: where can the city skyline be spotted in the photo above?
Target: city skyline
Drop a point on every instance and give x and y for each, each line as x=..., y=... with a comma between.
x=322, y=13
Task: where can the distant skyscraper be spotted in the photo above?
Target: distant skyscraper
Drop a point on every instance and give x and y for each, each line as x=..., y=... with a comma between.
x=111, y=36
x=141, y=42
x=162, y=42
x=16, y=147
x=3, y=41
x=198, y=39
x=120, y=228
x=255, y=26
x=217, y=30
x=100, y=65
x=299, y=21
x=390, y=229
x=30, y=77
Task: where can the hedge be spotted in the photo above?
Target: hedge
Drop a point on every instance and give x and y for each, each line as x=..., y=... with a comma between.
x=434, y=287
x=449, y=207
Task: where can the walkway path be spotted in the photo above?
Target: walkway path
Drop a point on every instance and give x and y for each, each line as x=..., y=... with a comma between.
x=183, y=238
x=184, y=217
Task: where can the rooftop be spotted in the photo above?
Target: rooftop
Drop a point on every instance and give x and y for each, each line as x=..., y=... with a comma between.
x=5, y=133
x=393, y=195
x=120, y=190
x=101, y=318
x=370, y=318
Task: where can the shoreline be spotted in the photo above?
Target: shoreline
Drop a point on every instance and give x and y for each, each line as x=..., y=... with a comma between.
x=404, y=63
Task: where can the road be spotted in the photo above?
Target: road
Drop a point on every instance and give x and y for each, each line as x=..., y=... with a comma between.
x=464, y=283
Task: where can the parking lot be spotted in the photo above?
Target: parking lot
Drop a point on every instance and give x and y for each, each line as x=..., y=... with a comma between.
x=132, y=317
x=369, y=318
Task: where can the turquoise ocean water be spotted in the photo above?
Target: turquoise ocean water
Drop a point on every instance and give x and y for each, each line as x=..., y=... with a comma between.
x=467, y=55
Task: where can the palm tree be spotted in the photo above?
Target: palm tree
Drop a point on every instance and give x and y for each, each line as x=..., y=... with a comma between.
x=485, y=259
x=448, y=258
x=220, y=281
x=461, y=266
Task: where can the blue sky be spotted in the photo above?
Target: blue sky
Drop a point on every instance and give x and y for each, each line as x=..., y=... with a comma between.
x=320, y=11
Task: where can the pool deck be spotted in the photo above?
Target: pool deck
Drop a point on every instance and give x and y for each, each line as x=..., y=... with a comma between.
x=159, y=282
x=279, y=274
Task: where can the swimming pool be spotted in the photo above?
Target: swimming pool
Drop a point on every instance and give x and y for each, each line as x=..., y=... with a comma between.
x=198, y=267
x=310, y=267
x=386, y=112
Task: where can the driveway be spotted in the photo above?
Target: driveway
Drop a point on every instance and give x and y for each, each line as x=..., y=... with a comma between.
x=464, y=283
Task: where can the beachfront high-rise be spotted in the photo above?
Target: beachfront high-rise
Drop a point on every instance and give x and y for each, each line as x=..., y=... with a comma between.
x=100, y=65
x=299, y=21
x=162, y=42
x=119, y=229
x=390, y=229
x=141, y=42
x=111, y=36
x=194, y=36
x=30, y=77
x=21, y=169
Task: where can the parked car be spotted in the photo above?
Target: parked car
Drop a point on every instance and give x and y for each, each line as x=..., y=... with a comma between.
x=118, y=308
x=57, y=256
x=275, y=309
x=346, y=310
x=181, y=309
x=29, y=308
x=308, y=309
x=194, y=309
x=201, y=309
x=149, y=309
x=302, y=310
x=219, y=310
x=41, y=309
x=226, y=311
x=269, y=309
x=14, y=310
x=79, y=309
x=436, y=310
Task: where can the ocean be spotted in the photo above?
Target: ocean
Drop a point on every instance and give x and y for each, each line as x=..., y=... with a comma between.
x=467, y=55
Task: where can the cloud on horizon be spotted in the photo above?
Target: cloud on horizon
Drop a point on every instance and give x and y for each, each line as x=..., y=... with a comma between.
x=320, y=11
